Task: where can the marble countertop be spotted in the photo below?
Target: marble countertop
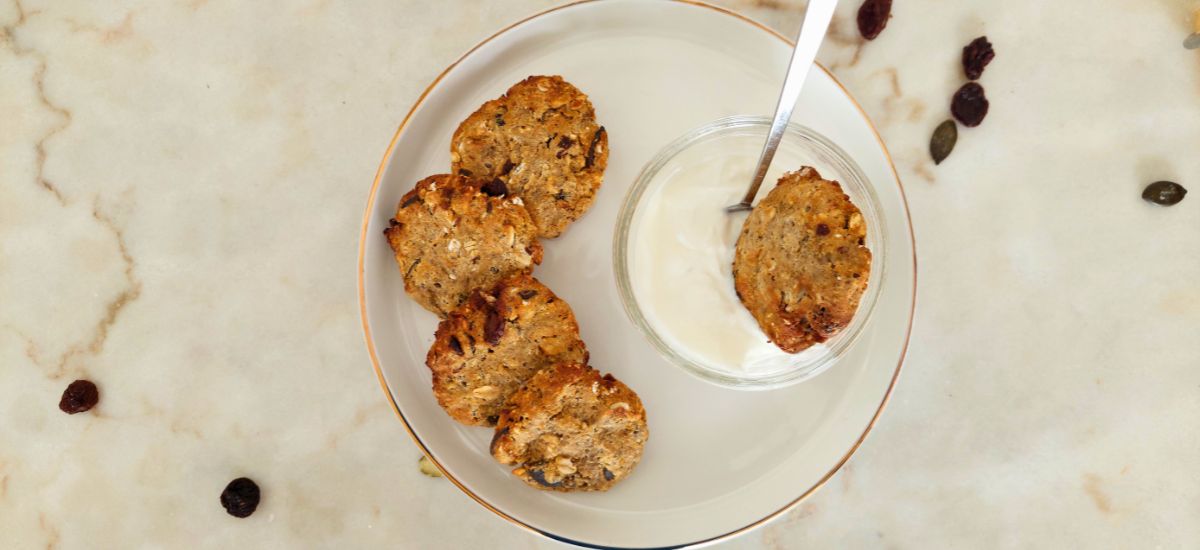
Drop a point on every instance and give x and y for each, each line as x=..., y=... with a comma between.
x=181, y=187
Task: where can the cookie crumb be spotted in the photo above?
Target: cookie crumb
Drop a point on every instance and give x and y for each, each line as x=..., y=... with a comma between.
x=426, y=466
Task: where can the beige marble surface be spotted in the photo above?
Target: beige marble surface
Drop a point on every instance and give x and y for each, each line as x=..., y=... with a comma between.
x=181, y=186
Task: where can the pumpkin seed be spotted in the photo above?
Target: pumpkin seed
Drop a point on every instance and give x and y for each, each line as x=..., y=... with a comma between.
x=1164, y=193
x=942, y=143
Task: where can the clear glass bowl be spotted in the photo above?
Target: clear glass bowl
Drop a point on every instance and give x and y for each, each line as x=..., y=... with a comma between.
x=735, y=143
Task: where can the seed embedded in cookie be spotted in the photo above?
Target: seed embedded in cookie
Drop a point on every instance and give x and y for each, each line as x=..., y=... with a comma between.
x=571, y=429
x=540, y=139
x=800, y=264
x=453, y=235
x=492, y=344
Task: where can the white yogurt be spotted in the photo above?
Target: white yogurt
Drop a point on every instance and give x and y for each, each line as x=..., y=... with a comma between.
x=681, y=262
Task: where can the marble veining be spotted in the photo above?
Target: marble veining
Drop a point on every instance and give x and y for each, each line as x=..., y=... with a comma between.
x=181, y=186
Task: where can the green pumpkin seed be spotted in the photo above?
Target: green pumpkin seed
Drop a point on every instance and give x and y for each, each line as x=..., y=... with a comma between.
x=1164, y=193
x=942, y=143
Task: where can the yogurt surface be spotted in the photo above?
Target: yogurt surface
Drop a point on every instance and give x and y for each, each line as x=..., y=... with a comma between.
x=681, y=259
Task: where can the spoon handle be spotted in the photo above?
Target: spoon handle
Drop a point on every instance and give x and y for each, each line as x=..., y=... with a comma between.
x=812, y=32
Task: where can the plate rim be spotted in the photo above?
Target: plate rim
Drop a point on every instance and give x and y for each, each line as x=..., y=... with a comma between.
x=362, y=303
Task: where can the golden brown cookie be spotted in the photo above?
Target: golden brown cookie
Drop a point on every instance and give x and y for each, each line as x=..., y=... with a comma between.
x=542, y=140
x=800, y=265
x=497, y=340
x=452, y=235
x=570, y=429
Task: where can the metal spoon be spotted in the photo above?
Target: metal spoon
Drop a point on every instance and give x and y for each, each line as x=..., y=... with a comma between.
x=812, y=32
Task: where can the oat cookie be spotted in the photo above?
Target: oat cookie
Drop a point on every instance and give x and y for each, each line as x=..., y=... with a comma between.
x=497, y=340
x=452, y=235
x=542, y=140
x=570, y=429
x=800, y=264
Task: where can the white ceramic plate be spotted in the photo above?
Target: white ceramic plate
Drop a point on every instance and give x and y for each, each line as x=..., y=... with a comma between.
x=718, y=461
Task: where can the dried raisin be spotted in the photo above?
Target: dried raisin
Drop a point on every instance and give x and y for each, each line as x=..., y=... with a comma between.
x=590, y=158
x=495, y=188
x=970, y=104
x=976, y=56
x=80, y=396
x=540, y=477
x=493, y=327
x=240, y=498
x=873, y=17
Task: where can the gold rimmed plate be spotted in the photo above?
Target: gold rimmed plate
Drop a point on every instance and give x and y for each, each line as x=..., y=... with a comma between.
x=719, y=461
